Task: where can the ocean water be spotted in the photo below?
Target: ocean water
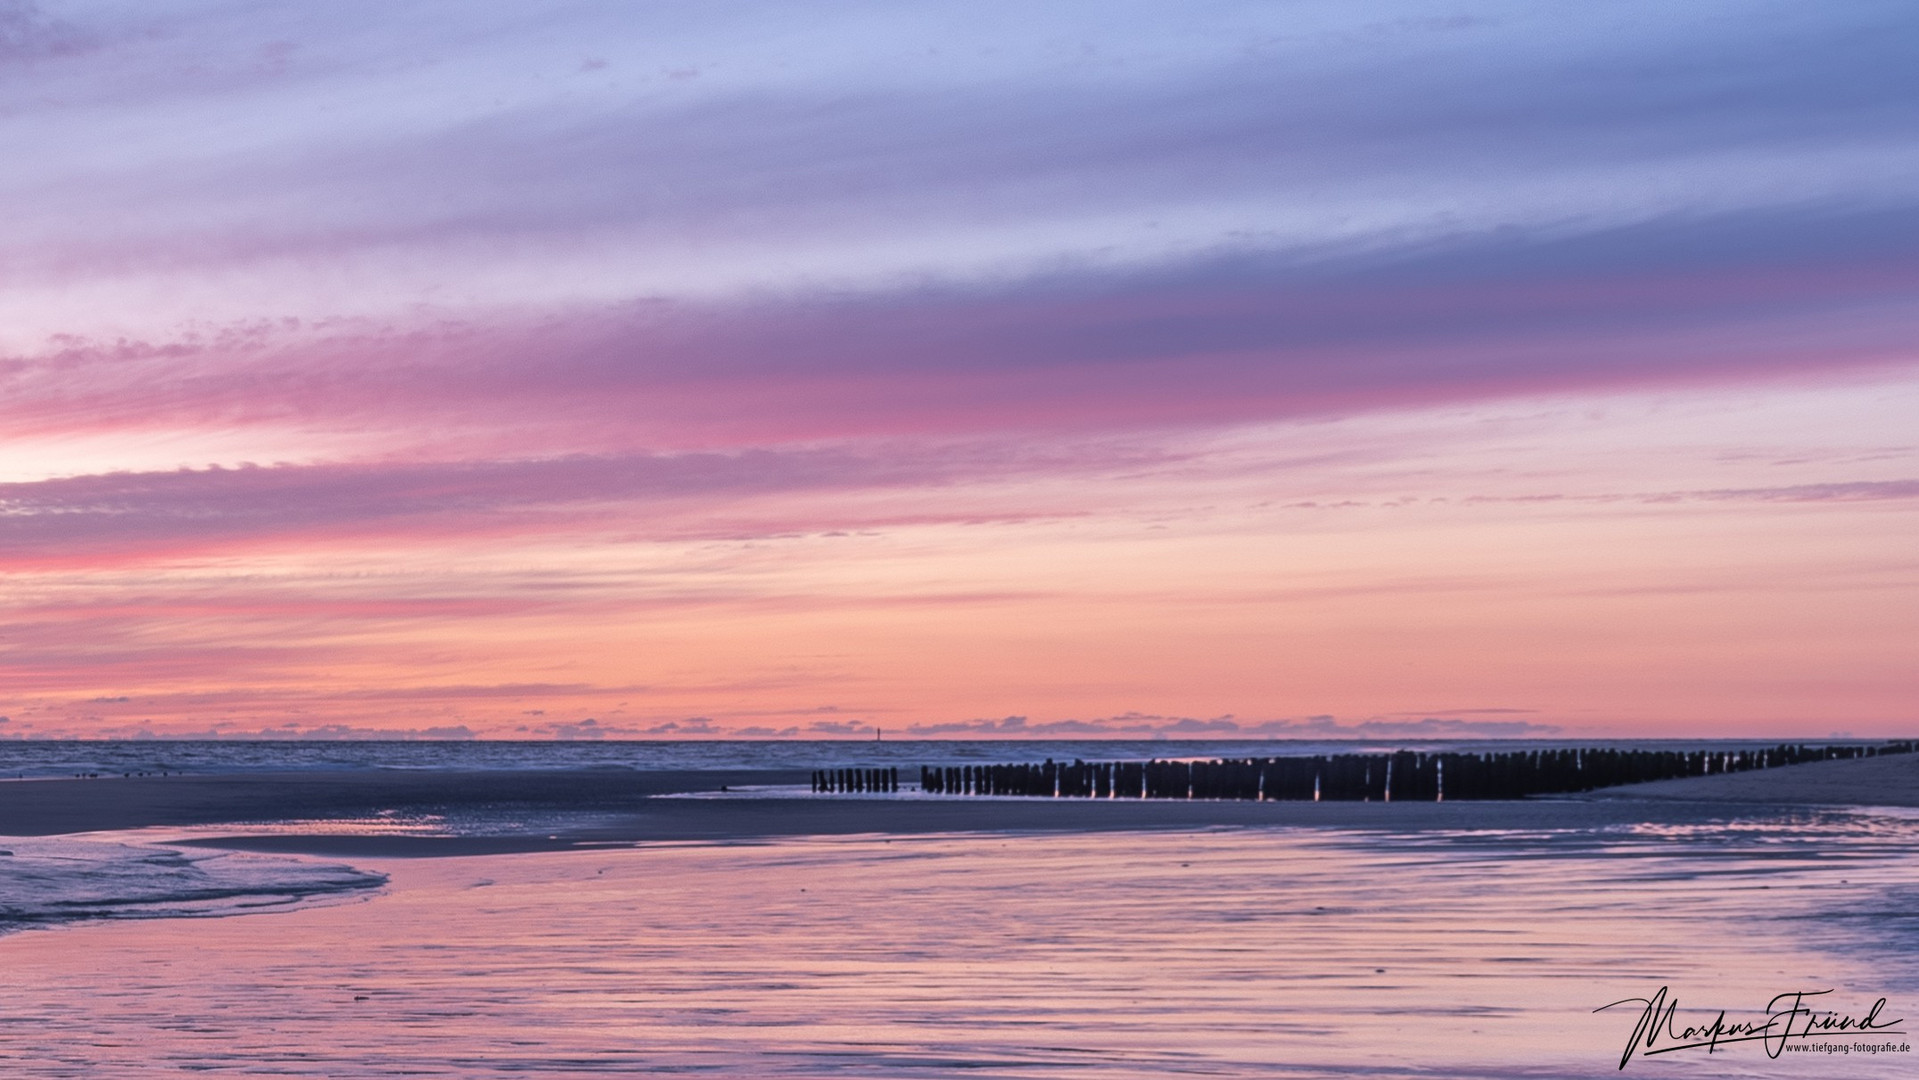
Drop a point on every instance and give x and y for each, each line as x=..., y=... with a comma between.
x=50, y=881
x=1297, y=952
x=1251, y=952
x=52, y=758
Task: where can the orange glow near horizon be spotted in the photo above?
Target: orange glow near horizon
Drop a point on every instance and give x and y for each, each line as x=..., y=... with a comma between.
x=1235, y=370
x=1420, y=572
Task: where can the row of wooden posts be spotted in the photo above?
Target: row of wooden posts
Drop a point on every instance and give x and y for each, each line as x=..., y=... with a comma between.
x=1406, y=775
x=848, y=780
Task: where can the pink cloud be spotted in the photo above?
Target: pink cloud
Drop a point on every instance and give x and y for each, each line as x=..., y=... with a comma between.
x=99, y=519
x=561, y=324
x=1218, y=341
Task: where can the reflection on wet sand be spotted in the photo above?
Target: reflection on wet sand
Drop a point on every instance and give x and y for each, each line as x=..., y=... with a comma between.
x=1229, y=952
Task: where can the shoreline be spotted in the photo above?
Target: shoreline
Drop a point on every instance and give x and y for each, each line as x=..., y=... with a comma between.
x=600, y=808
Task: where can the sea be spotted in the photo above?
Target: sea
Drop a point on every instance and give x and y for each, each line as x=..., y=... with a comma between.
x=1406, y=950
x=56, y=758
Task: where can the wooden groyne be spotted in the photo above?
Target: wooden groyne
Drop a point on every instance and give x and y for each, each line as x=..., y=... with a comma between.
x=856, y=780
x=1406, y=775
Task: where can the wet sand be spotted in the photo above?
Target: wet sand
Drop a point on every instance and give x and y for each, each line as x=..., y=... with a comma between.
x=1892, y=780
x=1290, y=954
x=49, y=807
x=1115, y=939
x=615, y=807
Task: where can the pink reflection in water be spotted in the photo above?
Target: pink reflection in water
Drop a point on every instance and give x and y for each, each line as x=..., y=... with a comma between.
x=1226, y=953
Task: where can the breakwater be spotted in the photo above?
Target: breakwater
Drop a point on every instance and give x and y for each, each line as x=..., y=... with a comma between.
x=857, y=780
x=1405, y=775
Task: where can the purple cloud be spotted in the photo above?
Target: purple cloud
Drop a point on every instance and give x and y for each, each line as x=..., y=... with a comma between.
x=77, y=519
x=1210, y=224
x=1222, y=341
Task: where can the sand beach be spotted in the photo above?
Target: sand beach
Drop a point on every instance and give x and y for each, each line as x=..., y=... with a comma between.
x=610, y=921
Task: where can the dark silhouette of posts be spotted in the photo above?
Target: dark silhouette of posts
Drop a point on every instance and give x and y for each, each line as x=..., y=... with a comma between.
x=1401, y=776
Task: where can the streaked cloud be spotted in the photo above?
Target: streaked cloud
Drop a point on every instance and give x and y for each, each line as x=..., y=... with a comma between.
x=1227, y=339
x=1122, y=368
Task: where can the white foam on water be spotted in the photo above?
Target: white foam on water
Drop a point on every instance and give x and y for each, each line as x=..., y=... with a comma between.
x=49, y=881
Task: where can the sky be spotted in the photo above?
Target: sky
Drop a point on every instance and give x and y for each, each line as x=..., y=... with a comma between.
x=751, y=369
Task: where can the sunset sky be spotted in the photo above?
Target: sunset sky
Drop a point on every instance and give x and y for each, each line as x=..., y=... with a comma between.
x=616, y=369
